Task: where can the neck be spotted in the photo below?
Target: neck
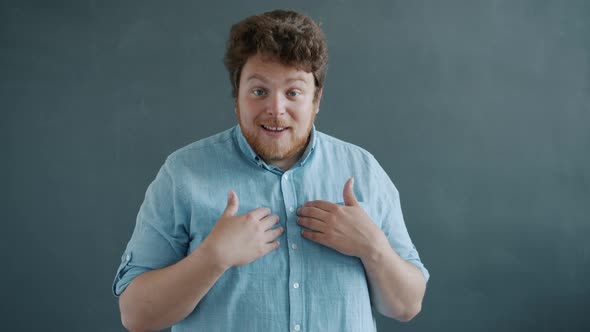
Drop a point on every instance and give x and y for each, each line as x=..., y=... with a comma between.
x=286, y=164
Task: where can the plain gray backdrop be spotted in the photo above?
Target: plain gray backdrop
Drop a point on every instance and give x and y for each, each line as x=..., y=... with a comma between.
x=478, y=110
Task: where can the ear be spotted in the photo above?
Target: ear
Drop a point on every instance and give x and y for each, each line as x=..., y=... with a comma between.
x=317, y=110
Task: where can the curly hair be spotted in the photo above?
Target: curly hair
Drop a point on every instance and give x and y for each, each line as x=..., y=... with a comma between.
x=287, y=36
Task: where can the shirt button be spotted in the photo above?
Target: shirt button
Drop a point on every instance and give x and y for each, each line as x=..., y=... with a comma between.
x=128, y=257
x=296, y=285
x=297, y=327
x=286, y=177
x=291, y=209
x=294, y=246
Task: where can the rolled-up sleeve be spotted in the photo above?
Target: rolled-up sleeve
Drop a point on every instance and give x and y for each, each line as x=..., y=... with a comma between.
x=392, y=221
x=160, y=237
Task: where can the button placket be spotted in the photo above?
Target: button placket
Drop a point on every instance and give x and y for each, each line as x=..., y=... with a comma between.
x=296, y=299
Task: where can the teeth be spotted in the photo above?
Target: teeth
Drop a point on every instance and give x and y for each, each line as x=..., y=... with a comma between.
x=274, y=128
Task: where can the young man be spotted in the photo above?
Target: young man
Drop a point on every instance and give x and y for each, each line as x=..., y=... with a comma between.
x=270, y=225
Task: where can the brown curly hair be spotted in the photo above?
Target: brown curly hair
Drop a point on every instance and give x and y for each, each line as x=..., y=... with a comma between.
x=291, y=38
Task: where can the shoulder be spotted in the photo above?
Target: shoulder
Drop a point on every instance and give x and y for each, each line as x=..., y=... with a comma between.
x=339, y=148
x=364, y=164
x=203, y=148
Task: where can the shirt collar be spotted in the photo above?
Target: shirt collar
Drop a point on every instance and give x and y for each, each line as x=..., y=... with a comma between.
x=249, y=153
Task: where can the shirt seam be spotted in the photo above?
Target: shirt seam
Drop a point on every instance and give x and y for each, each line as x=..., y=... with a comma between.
x=201, y=144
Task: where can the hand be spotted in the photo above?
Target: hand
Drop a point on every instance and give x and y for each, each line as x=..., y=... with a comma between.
x=347, y=229
x=239, y=240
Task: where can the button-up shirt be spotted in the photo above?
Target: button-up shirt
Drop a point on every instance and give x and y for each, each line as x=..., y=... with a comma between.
x=300, y=286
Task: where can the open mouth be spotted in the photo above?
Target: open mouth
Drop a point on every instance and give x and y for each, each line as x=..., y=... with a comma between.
x=274, y=129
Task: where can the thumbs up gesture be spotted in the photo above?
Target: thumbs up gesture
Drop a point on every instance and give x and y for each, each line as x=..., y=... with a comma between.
x=347, y=229
x=240, y=239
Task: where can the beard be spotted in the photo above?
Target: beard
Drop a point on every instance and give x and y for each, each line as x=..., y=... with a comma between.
x=282, y=148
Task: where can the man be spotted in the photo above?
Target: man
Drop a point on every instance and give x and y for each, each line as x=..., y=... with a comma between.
x=270, y=225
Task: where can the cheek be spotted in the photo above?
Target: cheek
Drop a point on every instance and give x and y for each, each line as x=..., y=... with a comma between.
x=249, y=110
x=303, y=118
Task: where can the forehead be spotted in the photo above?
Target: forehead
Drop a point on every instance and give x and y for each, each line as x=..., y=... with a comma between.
x=268, y=70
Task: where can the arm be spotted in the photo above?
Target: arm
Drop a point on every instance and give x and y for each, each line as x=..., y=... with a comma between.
x=397, y=287
x=159, y=298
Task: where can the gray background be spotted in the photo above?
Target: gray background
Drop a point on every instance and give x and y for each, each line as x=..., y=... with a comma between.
x=478, y=110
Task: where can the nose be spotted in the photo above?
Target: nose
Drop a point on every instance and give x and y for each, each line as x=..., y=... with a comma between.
x=276, y=105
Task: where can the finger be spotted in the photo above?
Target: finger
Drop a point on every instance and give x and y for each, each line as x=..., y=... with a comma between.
x=313, y=224
x=324, y=205
x=233, y=204
x=273, y=234
x=269, y=221
x=259, y=213
x=312, y=212
x=315, y=237
x=268, y=247
x=348, y=193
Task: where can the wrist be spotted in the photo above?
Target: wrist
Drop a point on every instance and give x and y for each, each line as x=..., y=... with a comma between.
x=209, y=251
x=376, y=249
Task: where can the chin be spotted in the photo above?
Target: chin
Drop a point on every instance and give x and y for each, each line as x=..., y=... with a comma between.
x=273, y=150
x=273, y=153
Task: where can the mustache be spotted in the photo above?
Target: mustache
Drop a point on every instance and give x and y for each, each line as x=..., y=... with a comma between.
x=272, y=123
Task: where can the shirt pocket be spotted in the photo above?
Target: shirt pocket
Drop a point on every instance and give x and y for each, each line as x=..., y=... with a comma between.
x=367, y=208
x=369, y=211
x=207, y=212
x=334, y=257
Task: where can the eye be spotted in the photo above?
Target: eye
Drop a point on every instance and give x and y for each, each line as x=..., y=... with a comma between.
x=293, y=93
x=259, y=92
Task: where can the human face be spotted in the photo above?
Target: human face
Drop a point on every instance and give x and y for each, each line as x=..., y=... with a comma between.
x=276, y=109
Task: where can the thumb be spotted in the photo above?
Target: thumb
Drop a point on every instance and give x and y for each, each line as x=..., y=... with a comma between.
x=349, y=197
x=232, y=204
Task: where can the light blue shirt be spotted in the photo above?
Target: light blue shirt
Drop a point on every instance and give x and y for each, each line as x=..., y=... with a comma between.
x=302, y=285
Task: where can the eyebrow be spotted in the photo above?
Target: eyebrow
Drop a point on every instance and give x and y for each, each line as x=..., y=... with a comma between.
x=263, y=79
